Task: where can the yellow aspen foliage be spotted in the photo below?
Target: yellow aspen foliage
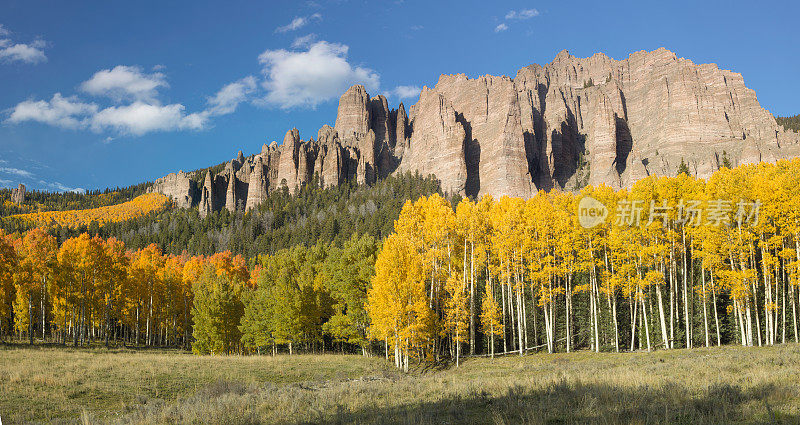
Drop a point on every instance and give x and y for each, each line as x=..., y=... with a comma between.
x=137, y=207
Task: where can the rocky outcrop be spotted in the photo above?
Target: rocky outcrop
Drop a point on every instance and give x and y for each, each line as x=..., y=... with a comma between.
x=207, y=195
x=437, y=146
x=572, y=122
x=230, y=194
x=257, y=185
x=177, y=186
x=18, y=194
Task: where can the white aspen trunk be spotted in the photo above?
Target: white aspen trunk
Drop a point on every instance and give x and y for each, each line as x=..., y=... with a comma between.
x=405, y=357
x=458, y=347
x=591, y=313
x=634, y=309
x=672, y=289
x=519, y=322
x=661, y=317
x=714, y=300
x=511, y=307
x=783, y=304
x=792, y=288
x=613, y=307
x=149, y=316
x=547, y=329
x=749, y=324
x=686, y=293
x=42, y=304
x=755, y=310
x=568, y=309
x=472, y=298
x=767, y=298
x=705, y=304
x=739, y=321
x=646, y=325
x=794, y=310
x=505, y=327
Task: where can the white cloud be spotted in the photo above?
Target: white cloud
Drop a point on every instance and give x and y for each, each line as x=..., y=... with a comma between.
x=4, y=30
x=229, y=97
x=32, y=53
x=65, y=112
x=522, y=14
x=125, y=82
x=61, y=187
x=304, y=41
x=406, y=92
x=299, y=22
x=16, y=171
x=313, y=76
x=139, y=118
x=516, y=15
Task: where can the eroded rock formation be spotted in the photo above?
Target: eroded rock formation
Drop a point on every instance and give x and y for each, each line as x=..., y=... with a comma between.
x=18, y=194
x=573, y=122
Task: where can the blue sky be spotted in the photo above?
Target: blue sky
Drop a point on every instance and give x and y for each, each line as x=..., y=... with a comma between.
x=104, y=94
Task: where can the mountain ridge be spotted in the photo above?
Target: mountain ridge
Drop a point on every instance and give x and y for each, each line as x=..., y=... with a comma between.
x=562, y=125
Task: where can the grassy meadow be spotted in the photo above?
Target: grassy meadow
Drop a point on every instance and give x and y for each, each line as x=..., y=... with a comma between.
x=700, y=386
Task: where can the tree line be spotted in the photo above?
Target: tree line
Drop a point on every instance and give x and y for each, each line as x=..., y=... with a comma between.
x=92, y=290
x=671, y=262
x=790, y=123
x=37, y=200
x=314, y=214
x=676, y=262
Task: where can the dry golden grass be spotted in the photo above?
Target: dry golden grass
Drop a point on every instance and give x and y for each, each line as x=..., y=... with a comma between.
x=701, y=386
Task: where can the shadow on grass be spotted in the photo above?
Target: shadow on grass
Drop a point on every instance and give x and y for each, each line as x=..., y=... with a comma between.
x=558, y=403
x=575, y=403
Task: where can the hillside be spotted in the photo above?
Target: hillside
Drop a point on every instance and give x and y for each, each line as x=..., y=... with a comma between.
x=38, y=201
x=75, y=218
x=313, y=214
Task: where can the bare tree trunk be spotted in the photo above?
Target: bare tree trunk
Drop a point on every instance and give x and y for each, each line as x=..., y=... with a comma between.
x=686, y=293
x=472, y=298
x=672, y=289
x=716, y=318
x=505, y=326
x=705, y=305
x=662, y=319
x=634, y=309
x=42, y=305
x=30, y=317
x=646, y=326
x=568, y=311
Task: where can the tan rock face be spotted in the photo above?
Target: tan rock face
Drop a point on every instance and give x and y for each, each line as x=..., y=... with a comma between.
x=287, y=166
x=18, y=194
x=353, y=116
x=437, y=143
x=257, y=186
x=573, y=122
x=666, y=109
x=177, y=186
x=207, y=195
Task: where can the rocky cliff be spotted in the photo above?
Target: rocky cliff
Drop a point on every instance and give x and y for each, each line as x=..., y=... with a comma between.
x=572, y=122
